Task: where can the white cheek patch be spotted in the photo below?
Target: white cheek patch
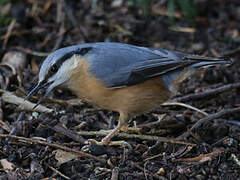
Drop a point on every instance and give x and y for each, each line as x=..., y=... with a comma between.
x=75, y=61
x=70, y=64
x=65, y=70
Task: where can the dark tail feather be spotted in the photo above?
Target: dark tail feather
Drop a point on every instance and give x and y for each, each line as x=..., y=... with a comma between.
x=208, y=61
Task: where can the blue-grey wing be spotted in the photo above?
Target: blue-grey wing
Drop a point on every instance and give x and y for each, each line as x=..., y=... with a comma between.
x=119, y=65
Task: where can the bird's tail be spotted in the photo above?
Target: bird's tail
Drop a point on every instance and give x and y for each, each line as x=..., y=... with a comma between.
x=199, y=61
x=173, y=78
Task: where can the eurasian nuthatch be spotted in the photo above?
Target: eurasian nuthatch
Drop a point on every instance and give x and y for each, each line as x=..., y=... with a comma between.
x=129, y=79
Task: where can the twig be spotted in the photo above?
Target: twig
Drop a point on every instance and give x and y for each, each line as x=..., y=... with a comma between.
x=60, y=19
x=19, y=32
x=14, y=129
x=53, y=145
x=72, y=19
x=60, y=37
x=207, y=93
x=165, y=12
x=145, y=171
x=3, y=125
x=23, y=105
x=29, y=51
x=58, y=172
x=155, y=123
x=134, y=136
x=8, y=34
x=232, y=52
x=184, y=105
x=209, y=118
x=183, y=29
x=201, y=157
x=67, y=132
x=215, y=116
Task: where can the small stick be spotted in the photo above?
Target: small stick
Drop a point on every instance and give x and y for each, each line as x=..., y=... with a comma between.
x=53, y=145
x=145, y=171
x=232, y=52
x=134, y=136
x=209, y=118
x=58, y=172
x=201, y=157
x=29, y=51
x=207, y=93
x=184, y=105
x=8, y=34
x=215, y=116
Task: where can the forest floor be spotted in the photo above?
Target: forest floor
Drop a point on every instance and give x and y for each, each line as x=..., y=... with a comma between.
x=174, y=142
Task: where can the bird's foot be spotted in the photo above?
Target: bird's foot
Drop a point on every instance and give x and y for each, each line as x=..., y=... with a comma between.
x=92, y=144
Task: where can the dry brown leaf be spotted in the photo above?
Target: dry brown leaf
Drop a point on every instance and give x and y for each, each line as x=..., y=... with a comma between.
x=14, y=59
x=34, y=65
x=6, y=164
x=63, y=156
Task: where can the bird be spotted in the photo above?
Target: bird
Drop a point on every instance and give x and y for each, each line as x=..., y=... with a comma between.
x=128, y=79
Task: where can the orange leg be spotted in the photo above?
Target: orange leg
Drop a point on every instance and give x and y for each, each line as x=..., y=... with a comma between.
x=123, y=119
x=116, y=130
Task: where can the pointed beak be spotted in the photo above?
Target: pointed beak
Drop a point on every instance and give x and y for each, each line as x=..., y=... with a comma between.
x=39, y=86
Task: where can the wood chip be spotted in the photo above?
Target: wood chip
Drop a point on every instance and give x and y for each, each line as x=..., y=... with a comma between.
x=23, y=105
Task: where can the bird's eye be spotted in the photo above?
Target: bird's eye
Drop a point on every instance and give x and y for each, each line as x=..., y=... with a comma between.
x=54, y=68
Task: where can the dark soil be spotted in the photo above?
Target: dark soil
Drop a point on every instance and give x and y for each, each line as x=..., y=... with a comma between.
x=41, y=27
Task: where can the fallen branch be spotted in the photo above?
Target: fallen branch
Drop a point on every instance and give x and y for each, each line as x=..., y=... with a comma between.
x=144, y=170
x=23, y=105
x=29, y=51
x=8, y=34
x=201, y=157
x=215, y=116
x=232, y=52
x=184, y=105
x=58, y=172
x=207, y=93
x=134, y=136
x=209, y=118
x=56, y=146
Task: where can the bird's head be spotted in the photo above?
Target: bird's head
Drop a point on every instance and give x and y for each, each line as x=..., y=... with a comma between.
x=57, y=68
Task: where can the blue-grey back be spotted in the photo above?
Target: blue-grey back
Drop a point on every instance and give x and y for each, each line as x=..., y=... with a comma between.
x=113, y=63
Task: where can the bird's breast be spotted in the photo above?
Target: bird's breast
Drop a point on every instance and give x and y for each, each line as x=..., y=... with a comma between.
x=133, y=100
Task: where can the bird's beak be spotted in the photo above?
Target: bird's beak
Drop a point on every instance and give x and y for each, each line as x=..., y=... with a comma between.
x=39, y=86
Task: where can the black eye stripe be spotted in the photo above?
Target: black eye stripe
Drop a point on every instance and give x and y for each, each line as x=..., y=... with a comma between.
x=54, y=68
x=83, y=51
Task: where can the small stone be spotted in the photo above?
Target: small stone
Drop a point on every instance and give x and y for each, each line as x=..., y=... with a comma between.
x=161, y=171
x=35, y=115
